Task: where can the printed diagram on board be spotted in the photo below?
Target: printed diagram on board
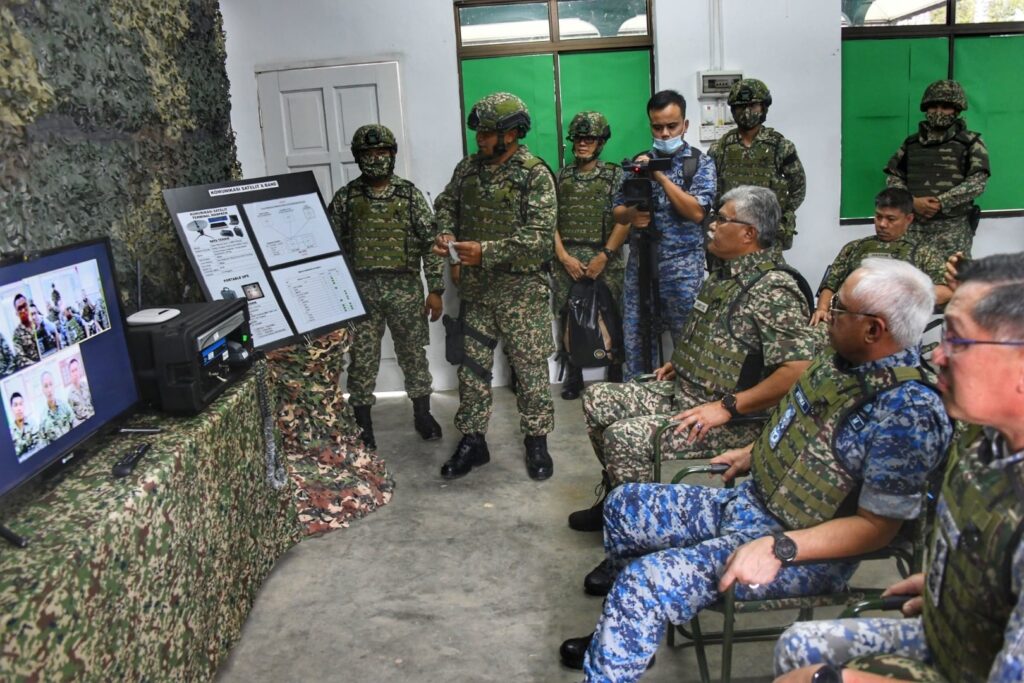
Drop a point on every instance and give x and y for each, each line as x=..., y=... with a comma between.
x=291, y=229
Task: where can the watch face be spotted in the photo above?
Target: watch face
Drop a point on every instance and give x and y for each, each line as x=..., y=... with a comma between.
x=829, y=673
x=785, y=548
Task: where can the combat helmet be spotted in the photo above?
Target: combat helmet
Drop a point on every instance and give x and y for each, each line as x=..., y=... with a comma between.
x=944, y=92
x=748, y=91
x=499, y=112
x=373, y=136
x=589, y=123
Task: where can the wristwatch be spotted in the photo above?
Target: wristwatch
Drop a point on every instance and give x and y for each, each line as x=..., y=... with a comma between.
x=608, y=252
x=830, y=673
x=729, y=403
x=785, y=548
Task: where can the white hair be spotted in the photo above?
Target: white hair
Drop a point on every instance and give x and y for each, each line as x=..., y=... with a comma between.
x=898, y=292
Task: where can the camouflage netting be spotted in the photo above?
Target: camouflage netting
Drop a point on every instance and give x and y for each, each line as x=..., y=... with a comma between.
x=102, y=105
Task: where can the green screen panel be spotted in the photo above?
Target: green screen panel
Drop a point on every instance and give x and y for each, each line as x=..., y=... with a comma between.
x=617, y=84
x=989, y=69
x=532, y=78
x=882, y=85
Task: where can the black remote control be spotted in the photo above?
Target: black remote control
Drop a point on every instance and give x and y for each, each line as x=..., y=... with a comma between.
x=125, y=466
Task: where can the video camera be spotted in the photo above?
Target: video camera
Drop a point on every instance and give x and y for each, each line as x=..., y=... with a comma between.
x=638, y=190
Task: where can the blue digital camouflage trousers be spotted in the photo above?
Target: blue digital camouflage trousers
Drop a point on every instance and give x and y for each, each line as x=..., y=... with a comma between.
x=679, y=281
x=670, y=544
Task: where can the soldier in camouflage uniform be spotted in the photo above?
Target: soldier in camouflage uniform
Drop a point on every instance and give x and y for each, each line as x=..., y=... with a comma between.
x=79, y=396
x=754, y=154
x=945, y=166
x=587, y=239
x=24, y=337
x=498, y=213
x=968, y=610
x=681, y=198
x=894, y=213
x=744, y=346
x=8, y=359
x=24, y=435
x=860, y=425
x=386, y=227
x=74, y=327
x=58, y=418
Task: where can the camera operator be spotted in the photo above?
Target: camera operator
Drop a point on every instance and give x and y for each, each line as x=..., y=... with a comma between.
x=680, y=196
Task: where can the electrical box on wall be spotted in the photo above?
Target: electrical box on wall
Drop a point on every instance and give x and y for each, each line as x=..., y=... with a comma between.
x=713, y=89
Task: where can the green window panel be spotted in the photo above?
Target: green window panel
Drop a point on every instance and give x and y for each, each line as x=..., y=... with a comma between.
x=882, y=85
x=989, y=69
x=618, y=84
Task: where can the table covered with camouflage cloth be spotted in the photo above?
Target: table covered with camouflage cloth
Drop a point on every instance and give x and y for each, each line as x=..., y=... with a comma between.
x=149, y=577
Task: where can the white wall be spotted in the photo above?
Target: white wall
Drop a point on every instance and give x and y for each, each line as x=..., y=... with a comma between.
x=793, y=45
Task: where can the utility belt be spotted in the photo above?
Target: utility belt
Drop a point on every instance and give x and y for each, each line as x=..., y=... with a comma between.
x=582, y=243
x=455, y=332
x=510, y=269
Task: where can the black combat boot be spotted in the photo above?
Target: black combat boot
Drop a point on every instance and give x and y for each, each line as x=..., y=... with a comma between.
x=615, y=372
x=471, y=452
x=573, y=650
x=538, y=462
x=592, y=518
x=573, y=384
x=365, y=425
x=423, y=421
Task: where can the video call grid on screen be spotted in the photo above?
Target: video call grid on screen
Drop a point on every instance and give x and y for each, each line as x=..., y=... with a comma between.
x=64, y=365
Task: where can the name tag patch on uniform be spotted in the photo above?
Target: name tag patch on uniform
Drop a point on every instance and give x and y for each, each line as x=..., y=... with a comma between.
x=857, y=421
x=946, y=536
x=787, y=419
x=700, y=306
x=878, y=255
x=801, y=400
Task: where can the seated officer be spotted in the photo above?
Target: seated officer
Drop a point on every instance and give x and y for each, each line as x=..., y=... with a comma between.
x=969, y=625
x=894, y=212
x=743, y=346
x=860, y=429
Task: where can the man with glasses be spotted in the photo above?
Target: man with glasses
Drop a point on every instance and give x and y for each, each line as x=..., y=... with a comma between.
x=894, y=214
x=744, y=345
x=967, y=611
x=841, y=464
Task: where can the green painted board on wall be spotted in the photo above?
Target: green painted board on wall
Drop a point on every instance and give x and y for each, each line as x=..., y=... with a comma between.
x=882, y=85
x=618, y=84
x=989, y=68
x=532, y=78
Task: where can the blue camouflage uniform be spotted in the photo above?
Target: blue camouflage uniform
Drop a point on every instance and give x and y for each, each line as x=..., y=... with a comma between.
x=840, y=640
x=680, y=259
x=671, y=542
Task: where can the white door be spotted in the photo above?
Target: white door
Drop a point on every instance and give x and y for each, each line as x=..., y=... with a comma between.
x=308, y=116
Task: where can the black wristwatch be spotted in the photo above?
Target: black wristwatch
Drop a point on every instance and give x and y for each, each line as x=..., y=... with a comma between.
x=830, y=673
x=608, y=252
x=729, y=403
x=785, y=548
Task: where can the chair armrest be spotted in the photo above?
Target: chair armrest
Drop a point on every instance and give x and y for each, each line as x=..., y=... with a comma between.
x=886, y=604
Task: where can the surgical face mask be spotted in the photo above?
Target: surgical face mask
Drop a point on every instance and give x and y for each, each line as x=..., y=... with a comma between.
x=670, y=146
x=938, y=120
x=746, y=118
x=376, y=166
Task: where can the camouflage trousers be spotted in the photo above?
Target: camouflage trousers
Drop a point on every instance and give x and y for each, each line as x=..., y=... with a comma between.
x=561, y=283
x=395, y=300
x=669, y=544
x=679, y=280
x=623, y=419
x=946, y=235
x=515, y=310
x=888, y=647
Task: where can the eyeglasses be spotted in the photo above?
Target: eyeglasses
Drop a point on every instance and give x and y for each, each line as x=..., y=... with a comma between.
x=586, y=139
x=716, y=217
x=836, y=307
x=952, y=345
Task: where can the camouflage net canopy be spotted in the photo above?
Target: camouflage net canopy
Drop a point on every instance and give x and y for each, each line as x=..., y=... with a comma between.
x=106, y=103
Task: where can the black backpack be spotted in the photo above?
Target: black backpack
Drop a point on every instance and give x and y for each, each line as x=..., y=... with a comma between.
x=591, y=326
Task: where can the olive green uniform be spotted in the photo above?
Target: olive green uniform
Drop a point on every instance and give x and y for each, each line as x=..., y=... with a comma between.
x=922, y=256
x=56, y=422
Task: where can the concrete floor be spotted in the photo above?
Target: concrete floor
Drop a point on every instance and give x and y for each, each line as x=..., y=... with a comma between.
x=479, y=579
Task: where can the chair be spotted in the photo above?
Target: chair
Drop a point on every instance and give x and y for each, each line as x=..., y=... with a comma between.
x=907, y=549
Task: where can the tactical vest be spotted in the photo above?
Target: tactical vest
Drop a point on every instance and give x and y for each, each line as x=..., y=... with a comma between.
x=585, y=206
x=380, y=229
x=933, y=169
x=496, y=210
x=900, y=249
x=795, y=468
x=711, y=356
x=968, y=593
x=754, y=165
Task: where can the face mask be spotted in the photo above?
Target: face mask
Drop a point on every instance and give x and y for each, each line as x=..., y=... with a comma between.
x=376, y=167
x=670, y=146
x=746, y=119
x=939, y=120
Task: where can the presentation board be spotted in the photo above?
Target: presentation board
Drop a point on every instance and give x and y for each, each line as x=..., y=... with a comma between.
x=268, y=240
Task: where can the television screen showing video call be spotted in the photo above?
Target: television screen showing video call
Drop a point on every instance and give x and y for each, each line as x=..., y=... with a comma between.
x=65, y=371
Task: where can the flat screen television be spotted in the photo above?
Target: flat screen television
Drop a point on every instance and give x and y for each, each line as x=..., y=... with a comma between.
x=65, y=373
